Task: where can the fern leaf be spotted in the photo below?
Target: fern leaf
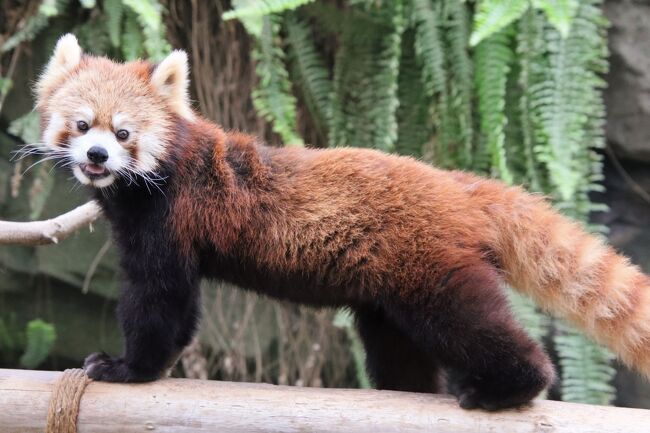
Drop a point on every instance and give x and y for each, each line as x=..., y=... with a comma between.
x=272, y=96
x=384, y=81
x=531, y=60
x=40, y=339
x=536, y=323
x=149, y=13
x=564, y=102
x=345, y=321
x=586, y=370
x=492, y=16
x=114, y=15
x=34, y=25
x=366, y=70
x=414, y=126
x=494, y=57
x=311, y=72
x=247, y=9
x=560, y=13
x=456, y=25
x=132, y=43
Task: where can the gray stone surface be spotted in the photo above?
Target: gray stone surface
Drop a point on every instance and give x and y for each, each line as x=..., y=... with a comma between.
x=628, y=96
x=628, y=220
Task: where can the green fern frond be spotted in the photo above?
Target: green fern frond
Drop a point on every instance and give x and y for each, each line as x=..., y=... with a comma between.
x=132, y=41
x=326, y=17
x=149, y=13
x=492, y=16
x=586, y=369
x=536, y=323
x=272, y=96
x=345, y=320
x=35, y=24
x=531, y=57
x=40, y=339
x=560, y=13
x=366, y=70
x=414, y=125
x=564, y=101
x=456, y=28
x=114, y=14
x=429, y=49
x=247, y=9
x=93, y=35
x=310, y=71
x=384, y=80
x=494, y=57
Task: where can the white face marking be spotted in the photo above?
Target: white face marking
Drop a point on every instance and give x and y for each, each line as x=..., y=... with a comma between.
x=118, y=157
x=76, y=170
x=50, y=135
x=86, y=114
x=150, y=150
x=121, y=121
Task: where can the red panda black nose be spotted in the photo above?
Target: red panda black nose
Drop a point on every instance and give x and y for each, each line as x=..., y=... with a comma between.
x=97, y=154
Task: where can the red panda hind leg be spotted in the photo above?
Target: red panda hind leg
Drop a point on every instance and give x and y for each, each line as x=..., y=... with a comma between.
x=466, y=323
x=393, y=361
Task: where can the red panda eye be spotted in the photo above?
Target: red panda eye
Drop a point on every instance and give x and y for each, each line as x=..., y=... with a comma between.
x=82, y=126
x=122, y=134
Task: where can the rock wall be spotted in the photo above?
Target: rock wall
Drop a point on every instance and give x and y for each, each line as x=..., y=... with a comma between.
x=628, y=135
x=628, y=96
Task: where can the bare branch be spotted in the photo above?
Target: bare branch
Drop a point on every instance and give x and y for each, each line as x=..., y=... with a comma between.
x=48, y=231
x=201, y=406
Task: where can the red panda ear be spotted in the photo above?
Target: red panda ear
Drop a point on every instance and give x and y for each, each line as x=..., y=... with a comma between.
x=67, y=55
x=171, y=80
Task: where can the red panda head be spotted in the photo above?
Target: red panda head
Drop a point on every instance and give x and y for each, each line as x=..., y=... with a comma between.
x=109, y=119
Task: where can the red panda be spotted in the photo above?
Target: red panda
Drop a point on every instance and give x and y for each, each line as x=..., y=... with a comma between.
x=420, y=255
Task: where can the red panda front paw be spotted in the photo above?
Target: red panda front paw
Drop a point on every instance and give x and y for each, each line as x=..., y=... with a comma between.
x=103, y=367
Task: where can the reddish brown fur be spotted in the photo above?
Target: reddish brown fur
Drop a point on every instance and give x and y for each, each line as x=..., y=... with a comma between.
x=395, y=227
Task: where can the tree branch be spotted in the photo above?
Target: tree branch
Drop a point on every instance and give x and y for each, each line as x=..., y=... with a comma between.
x=201, y=406
x=48, y=231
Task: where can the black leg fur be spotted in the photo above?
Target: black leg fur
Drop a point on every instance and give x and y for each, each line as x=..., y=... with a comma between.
x=156, y=328
x=469, y=327
x=159, y=303
x=393, y=360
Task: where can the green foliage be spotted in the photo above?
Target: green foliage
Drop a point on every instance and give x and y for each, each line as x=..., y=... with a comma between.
x=456, y=29
x=492, y=16
x=149, y=13
x=310, y=72
x=40, y=339
x=414, y=122
x=586, y=369
x=272, y=96
x=132, y=42
x=26, y=127
x=560, y=13
x=34, y=24
x=114, y=11
x=248, y=9
x=494, y=57
x=345, y=320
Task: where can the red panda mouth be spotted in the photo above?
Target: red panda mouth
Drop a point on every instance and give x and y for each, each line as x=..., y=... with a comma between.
x=94, y=171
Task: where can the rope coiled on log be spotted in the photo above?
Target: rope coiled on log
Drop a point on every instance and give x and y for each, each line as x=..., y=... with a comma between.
x=64, y=405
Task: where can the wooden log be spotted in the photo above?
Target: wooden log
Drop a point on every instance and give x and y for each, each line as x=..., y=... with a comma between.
x=48, y=231
x=196, y=406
